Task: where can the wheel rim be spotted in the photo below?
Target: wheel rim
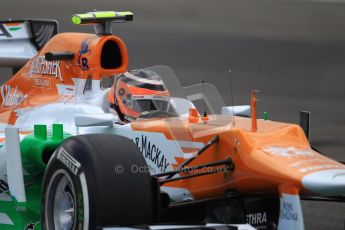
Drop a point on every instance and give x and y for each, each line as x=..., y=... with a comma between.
x=63, y=205
x=60, y=203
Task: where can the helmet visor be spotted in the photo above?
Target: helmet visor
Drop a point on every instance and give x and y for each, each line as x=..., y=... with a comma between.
x=147, y=103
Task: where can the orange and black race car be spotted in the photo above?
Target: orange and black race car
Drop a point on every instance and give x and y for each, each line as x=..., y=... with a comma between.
x=86, y=143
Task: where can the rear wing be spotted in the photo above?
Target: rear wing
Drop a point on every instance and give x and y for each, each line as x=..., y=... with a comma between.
x=20, y=40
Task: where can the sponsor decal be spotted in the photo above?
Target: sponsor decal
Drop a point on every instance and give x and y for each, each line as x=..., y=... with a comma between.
x=66, y=159
x=83, y=61
x=321, y=167
x=257, y=218
x=4, y=191
x=4, y=32
x=151, y=152
x=13, y=26
x=287, y=212
x=11, y=97
x=42, y=82
x=67, y=90
x=80, y=206
x=317, y=160
x=3, y=186
x=39, y=65
x=30, y=226
x=289, y=152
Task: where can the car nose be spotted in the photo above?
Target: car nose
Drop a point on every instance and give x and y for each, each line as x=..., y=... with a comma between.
x=327, y=182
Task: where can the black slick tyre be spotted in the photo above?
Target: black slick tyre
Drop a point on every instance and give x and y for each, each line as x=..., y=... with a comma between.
x=94, y=181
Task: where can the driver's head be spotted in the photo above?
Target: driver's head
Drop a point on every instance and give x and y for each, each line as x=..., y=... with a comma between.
x=139, y=92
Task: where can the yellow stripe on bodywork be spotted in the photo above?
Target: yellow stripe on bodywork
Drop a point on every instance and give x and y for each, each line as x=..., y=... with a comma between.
x=112, y=15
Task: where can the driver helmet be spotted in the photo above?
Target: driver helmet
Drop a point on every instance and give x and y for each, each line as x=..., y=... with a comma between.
x=139, y=92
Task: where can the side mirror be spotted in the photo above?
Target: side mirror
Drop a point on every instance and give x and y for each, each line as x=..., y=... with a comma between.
x=100, y=119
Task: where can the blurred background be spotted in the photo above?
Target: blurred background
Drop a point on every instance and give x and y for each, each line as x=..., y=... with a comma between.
x=292, y=51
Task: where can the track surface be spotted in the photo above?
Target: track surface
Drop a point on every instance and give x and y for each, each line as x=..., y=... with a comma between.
x=292, y=51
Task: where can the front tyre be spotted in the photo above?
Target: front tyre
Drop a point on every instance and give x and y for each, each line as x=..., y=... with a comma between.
x=89, y=183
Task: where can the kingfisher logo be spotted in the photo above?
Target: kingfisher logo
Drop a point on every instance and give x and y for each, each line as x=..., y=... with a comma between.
x=39, y=65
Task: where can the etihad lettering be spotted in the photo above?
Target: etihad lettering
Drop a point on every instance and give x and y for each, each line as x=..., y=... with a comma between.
x=39, y=65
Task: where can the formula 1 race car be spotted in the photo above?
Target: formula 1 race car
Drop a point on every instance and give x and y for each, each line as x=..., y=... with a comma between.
x=88, y=144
